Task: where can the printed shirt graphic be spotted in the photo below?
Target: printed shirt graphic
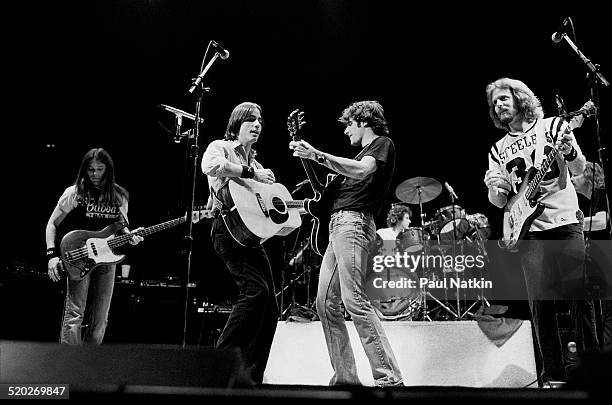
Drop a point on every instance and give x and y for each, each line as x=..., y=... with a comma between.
x=513, y=156
x=89, y=215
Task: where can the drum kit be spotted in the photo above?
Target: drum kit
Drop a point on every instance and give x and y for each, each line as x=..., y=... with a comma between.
x=448, y=231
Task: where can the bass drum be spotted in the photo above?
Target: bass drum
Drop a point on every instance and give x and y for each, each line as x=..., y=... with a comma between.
x=392, y=295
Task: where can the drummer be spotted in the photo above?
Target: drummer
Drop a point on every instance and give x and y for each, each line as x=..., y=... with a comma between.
x=398, y=220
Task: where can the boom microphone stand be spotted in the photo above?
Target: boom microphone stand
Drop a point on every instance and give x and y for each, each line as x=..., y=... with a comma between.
x=198, y=90
x=595, y=78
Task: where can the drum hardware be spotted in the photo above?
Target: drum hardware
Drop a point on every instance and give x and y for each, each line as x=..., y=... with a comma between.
x=299, y=265
x=450, y=227
x=393, y=303
x=418, y=190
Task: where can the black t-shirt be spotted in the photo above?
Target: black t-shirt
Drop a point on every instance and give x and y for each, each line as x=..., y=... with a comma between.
x=599, y=205
x=367, y=195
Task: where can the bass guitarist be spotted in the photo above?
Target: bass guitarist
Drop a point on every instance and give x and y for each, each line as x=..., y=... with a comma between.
x=92, y=202
x=251, y=325
x=552, y=250
x=365, y=185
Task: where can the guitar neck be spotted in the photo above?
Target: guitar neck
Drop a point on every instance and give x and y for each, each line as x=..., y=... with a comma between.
x=535, y=182
x=550, y=158
x=123, y=239
x=295, y=203
x=310, y=172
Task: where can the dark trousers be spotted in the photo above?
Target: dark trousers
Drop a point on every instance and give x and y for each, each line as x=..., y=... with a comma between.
x=606, y=316
x=553, y=266
x=251, y=326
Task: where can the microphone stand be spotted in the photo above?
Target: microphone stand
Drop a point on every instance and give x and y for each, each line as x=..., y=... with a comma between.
x=454, y=242
x=193, y=152
x=595, y=78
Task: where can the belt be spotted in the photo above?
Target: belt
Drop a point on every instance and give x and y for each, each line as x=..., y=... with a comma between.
x=364, y=214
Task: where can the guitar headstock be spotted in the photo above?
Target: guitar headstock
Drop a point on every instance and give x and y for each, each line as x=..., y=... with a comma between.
x=586, y=110
x=295, y=122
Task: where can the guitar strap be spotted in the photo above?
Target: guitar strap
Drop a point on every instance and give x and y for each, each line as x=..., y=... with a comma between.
x=540, y=143
x=539, y=153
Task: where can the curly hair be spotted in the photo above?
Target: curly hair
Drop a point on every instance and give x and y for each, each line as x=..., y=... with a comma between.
x=599, y=174
x=370, y=112
x=396, y=214
x=525, y=101
x=239, y=115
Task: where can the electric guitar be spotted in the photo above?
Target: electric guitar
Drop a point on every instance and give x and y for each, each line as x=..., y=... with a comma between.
x=82, y=251
x=260, y=211
x=321, y=204
x=523, y=208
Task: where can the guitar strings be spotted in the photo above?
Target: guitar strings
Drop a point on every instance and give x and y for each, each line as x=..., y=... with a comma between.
x=83, y=252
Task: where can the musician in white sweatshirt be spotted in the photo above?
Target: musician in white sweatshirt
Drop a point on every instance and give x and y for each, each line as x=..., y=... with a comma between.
x=552, y=249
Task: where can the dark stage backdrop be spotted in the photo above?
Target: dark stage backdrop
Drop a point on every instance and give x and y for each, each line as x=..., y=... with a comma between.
x=85, y=74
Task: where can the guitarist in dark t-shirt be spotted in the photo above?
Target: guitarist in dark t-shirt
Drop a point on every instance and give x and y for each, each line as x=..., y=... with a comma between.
x=362, y=185
x=92, y=202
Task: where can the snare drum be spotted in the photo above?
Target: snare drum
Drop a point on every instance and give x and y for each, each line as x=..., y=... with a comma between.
x=479, y=226
x=410, y=240
x=445, y=215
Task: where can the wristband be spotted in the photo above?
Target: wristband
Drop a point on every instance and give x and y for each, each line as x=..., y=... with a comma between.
x=52, y=252
x=247, y=172
x=571, y=156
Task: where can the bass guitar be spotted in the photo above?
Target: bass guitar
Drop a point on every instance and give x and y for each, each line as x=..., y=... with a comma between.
x=82, y=251
x=523, y=208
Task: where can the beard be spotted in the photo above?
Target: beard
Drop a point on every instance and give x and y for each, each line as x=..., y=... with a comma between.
x=505, y=118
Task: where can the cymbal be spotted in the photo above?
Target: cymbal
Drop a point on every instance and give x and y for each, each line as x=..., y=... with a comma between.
x=409, y=190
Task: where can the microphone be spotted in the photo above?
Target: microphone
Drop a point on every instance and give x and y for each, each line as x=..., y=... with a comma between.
x=179, y=113
x=223, y=53
x=450, y=190
x=558, y=35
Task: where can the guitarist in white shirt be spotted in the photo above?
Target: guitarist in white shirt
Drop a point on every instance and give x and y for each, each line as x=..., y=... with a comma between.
x=251, y=326
x=552, y=250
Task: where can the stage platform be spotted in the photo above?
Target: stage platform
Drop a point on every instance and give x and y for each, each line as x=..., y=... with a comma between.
x=453, y=353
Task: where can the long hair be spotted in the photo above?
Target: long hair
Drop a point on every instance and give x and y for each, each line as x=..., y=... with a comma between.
x=239, y=115
x=525, y=101
x=110, y=192
x=396, y=214
x=370, y=112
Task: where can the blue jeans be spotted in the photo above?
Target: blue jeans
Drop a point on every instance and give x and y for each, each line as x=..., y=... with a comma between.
x=553, y=263
x=342, y=282
x=100, y=283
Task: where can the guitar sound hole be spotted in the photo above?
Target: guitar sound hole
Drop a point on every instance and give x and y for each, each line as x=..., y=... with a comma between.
x=279, y=204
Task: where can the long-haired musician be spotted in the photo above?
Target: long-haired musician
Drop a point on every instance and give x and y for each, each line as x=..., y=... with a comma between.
x=93, y=202
x=251, y=325
x=552, y=251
